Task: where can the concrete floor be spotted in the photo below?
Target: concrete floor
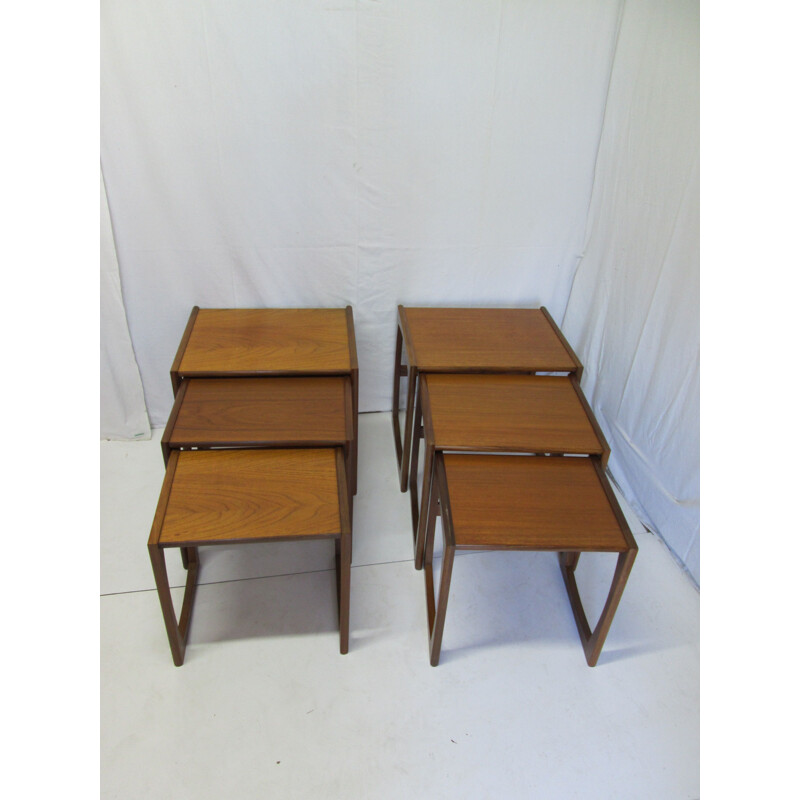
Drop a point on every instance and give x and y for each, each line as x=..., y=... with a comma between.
x=265, y=706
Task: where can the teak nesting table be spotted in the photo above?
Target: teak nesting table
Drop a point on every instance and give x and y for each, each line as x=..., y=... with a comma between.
x=515, y=502
x=213, y=497
x=261, y=444
x=514, y=460
x=493, y=340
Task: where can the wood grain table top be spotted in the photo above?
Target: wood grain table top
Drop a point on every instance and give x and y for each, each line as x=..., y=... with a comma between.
x=226, y=496
x=533, y=503
x=481, y=339
x=240, y=341
x=517, y=413
x=267, y=411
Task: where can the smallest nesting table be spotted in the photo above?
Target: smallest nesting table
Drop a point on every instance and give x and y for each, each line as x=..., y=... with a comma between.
x=514, y=502
x=212, y=497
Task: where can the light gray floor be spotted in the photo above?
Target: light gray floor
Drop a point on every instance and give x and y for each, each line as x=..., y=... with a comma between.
x=265, y=706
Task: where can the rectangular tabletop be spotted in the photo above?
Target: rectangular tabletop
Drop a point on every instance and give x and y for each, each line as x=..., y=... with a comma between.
x=516, y=413
x=532, y=503
x=484, y=339
x=266, y=411
x=225, y=496
x=254, y=341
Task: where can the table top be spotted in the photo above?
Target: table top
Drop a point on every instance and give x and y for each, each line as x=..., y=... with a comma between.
x=266, y=411
x=250, y=341
x=533, y=502
x=225, y=496
x=500, y=339
x=517, y=413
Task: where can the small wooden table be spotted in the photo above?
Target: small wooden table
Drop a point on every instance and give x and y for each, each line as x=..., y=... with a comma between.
x=262, y=412
x=515, y=502
x=270, y=342
x=534, y=414
x=212, y=497
x=522, y=340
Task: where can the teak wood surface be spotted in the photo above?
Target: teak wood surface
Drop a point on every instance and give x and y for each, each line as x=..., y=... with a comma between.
x=226, y=496
x=525, y=413
x=262, y=412
x=249, y=341
x=467, y=340
x=241, y=411
x=522, y=502
x=480, y=339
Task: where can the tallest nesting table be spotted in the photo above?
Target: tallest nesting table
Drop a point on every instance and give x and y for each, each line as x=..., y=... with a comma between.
x=260, y=445
x=465, y=340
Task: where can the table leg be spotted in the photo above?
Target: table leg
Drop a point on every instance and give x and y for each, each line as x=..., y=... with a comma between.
x=412, y=388
x=177, y=631
x=343, y=573
x=427, y=505
x=593, y=641
x=437, y=630
x=398, y=356
x=413, y=468
x=354, y=454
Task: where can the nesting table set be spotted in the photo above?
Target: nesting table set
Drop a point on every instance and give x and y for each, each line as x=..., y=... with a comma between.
x=514, y=459
x=261, y=444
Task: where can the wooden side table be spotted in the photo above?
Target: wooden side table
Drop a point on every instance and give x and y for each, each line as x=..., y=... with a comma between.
x=534, y=414
x=212, y=497
x=469, y=340
x=514, y=502
x=270, y=342
x=262, y=412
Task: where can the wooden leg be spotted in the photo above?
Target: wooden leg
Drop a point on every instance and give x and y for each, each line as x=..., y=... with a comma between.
x=430, y=531
x=177, y=631
x=427, y=504
x=593, y=641
x=436, y=612
x=343, y=574
x=413, y=489
x=344, y=554
x=398, y=356
x=569, y=559
x=412, y=388
x=441, y=609
x=188, y=556
x=354, y=454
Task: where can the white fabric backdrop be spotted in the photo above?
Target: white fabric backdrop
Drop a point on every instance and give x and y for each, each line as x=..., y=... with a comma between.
x=122, y=409
x=313, y=153
x=324, y=153
x=634, y=310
